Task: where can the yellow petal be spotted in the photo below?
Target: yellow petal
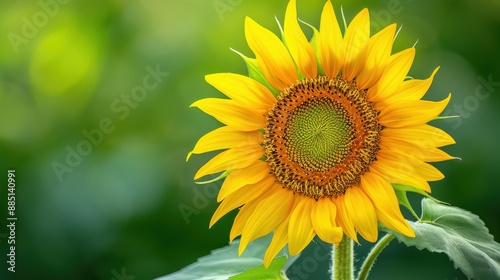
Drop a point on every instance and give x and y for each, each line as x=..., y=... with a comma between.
x=280, y=238
x=343, y=218
x=423, y=135
x=362, y=213
x=428, y=172
x=393, y=76
x=323, y=220
x=224, y=138
x=245, y=91
x=272, y=56
x=378, y=52
x=231, y=159
x=300, y=229
x=355, y=39
x=411, y=112
x=330, y=42
x=245, y=176
x=414, y=158
x=411, y=90
x=230, y=113
x=401, y=178
x=413, y=163
x=240, y=197
x=385, y=202
x=241, y=219
x=270, y=212
x=424, y=151
x=297, y=43
x=394, y=170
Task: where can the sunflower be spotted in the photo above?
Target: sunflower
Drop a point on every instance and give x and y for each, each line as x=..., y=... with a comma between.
x=320, y=133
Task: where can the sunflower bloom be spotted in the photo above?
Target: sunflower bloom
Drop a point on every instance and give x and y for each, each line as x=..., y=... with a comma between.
x=316, y=138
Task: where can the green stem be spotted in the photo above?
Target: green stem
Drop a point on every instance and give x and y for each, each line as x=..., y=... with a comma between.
x=372, y=256
x=343, y=260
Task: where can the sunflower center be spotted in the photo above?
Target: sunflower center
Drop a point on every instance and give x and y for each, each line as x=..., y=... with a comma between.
x=321, y=136
x=318, y=134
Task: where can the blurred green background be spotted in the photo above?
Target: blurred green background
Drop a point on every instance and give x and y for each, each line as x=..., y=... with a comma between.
x=94, y=118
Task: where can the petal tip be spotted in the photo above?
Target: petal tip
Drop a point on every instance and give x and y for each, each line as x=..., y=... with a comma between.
x=189, y=155
x=249, y=21
x=435, y=70
x=194, y=104
x=242, y=247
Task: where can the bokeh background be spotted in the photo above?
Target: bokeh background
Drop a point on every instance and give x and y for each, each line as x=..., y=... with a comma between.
x=124, y=206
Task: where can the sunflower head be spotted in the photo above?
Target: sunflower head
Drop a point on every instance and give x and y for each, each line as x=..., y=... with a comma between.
x=320, y=133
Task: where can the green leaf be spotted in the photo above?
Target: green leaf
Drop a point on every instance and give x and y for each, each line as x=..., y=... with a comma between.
x=273, y=272
x=403, y=200
x=401, y=191
x=224, y=262
x=459, y=234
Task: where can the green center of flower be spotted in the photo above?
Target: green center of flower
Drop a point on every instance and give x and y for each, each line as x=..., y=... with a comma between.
x=321, y=136
x=318, y=134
